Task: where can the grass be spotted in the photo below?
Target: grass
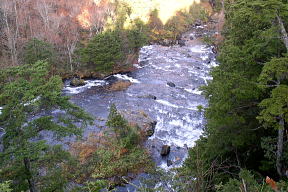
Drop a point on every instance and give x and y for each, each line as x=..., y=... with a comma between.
x=101, y=157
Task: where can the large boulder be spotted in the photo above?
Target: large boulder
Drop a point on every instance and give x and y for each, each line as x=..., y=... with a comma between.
x=142, y=120
x=169, y=162
x=151, y=128
x=76, y=82
x=165, y=150
x=181, y=43
x=170, y=84
x=148, y=97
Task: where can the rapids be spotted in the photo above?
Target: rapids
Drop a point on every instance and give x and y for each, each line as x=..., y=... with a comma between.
x=179, y=122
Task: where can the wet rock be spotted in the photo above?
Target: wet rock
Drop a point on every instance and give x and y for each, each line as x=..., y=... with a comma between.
x=111, y=79
x=116, y=181
x=197, y=23
x=141, y=120
x=76, y=82
x=119, y=86
x=214, y=50
x=142, y=63
x=170, y=84
x=181, y=43
x=167, y=42
x=169, y=162
x=151, y=129
x=191, y=38
x=148, y=97
x=186, y=146
x=165, y=150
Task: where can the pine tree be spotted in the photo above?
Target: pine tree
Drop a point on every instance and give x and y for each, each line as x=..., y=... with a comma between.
x=103, y=52
x=275, y=108
x=36, y=50
x=29, y=96
x=245, y=89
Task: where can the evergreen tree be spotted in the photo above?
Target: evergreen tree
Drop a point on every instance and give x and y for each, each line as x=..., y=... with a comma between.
x=36, y=50
x=275, y=108
x=125, y=134
x=103, y=52
x=137, y=35
x=29, y=97
x=245, y=89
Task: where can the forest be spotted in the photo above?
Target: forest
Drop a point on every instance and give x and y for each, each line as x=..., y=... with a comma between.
x=245, y=140
x=43, y=43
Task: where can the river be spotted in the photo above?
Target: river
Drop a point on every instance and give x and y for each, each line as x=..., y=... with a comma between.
x=165, y=86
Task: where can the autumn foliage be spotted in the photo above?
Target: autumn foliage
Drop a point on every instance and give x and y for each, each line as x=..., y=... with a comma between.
x=60, y=23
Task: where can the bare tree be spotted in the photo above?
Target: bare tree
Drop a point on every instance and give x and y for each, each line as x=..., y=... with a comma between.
x=11, y=28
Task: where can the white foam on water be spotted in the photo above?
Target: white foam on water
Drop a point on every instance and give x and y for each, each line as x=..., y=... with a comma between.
x=186, y=126
x=178, y=123
x=161, y=68
x=94, y=83
x=161, y=110
x=125, y=77
x=204, y=57
x=188, y=131
x=170, y=60
x=181, y=138
x=164, y=166
x=130, y=95
x=193, y=91
x=200, y=27
x=1, y=108
x=73, y=90
x=57, y=111
x=213, y=64
x=198, y=49
x=31, y=102
x=167, y=103
x=206, y=78
x=138, y=66
x=89, y=84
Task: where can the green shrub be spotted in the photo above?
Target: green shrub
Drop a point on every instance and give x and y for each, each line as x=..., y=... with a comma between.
x=36, y=50
x=137, y=35
x=126, y=135
x=246, y=182
x=103, y=52
x=5, y=187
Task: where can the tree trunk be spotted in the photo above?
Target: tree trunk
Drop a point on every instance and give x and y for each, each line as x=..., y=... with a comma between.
x=280, y=144
x=284, y=35
x=31, y=183
x=281, y=130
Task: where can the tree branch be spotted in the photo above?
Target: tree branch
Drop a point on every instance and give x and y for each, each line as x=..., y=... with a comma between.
x=284, y=35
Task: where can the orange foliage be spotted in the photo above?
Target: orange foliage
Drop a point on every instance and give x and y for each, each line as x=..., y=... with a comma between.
x=58, y=22
x=84, y=18
x=84, y=150
x=272, y=183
